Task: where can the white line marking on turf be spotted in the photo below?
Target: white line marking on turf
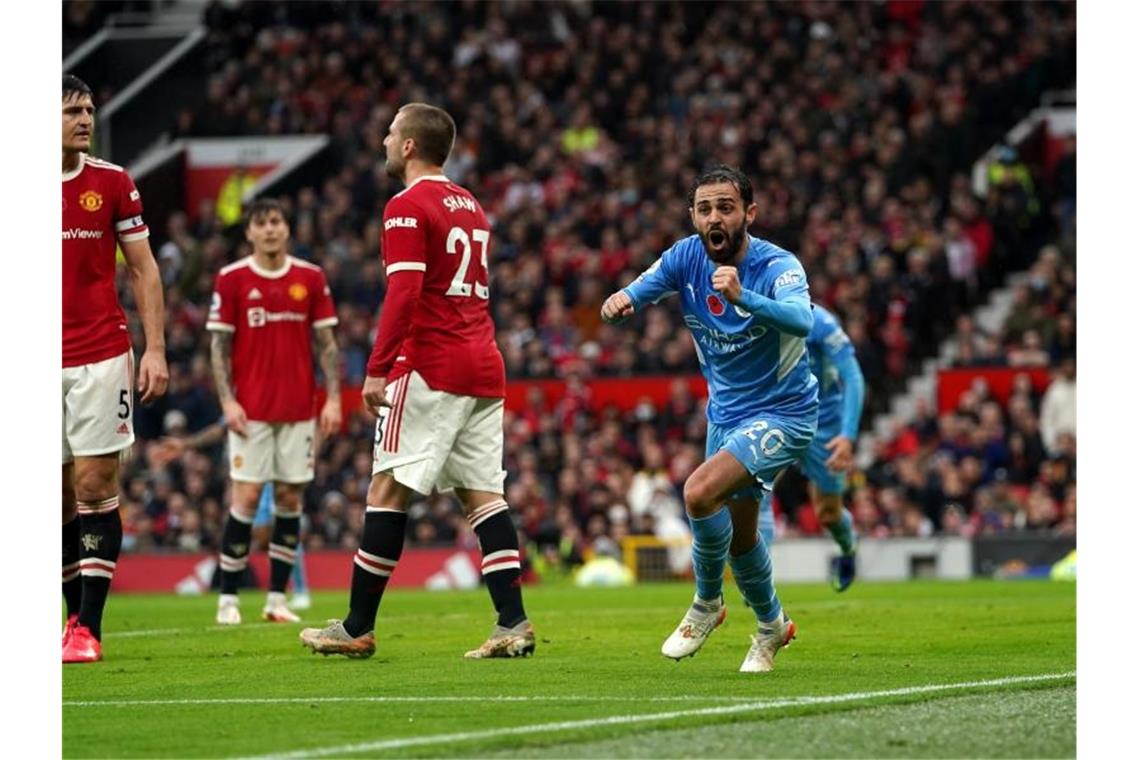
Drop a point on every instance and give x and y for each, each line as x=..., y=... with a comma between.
x=420, y=741
x=175, y=631
x=362, y=700
x=501, y=698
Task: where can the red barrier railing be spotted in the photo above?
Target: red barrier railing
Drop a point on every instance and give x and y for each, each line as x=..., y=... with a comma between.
x=952, y=383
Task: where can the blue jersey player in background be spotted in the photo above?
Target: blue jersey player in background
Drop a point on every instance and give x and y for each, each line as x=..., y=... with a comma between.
x=746, y=303
x=830, y=456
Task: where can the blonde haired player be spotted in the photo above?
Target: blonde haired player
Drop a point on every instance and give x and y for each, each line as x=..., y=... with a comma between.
x=437, y=382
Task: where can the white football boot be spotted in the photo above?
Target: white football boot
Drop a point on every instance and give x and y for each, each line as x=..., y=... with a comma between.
x=769, y=639
x=699, y=621
x=506, y=642
x=276, y=611
x=333, y=639
x=228, y=612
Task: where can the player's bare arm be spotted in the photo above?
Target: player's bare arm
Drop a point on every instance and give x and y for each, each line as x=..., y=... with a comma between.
x=147, y=287
x=842, y=451
x=726, y=281
x=221, y=352
x=172, y=447
x=617, y=307
x=328, y=358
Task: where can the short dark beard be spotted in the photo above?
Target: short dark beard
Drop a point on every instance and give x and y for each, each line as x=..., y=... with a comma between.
x=728, y=254
x=392, y=171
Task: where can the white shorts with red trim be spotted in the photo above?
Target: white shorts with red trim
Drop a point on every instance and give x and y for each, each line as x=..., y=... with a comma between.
x=434, y=439
x=279, y=452
x=98, y=407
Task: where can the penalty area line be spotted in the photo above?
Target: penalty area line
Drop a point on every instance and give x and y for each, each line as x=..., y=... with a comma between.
x=617, y=720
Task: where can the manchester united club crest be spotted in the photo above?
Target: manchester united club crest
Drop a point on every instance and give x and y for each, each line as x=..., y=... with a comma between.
x=91, y=201
x=238, y=462
x=297, y=291
x=91, y=541
x=716, y=306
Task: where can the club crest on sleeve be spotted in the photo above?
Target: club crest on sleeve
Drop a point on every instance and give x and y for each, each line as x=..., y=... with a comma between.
x=716, y=306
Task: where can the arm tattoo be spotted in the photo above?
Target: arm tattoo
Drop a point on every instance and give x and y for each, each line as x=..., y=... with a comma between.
x=327, y=356
x=221, y=345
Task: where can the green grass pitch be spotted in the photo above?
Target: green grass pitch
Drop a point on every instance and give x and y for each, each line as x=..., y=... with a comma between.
x=919, y=669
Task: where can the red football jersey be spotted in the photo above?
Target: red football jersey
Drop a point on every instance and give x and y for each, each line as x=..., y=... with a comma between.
x=100, y=207
x=438, y=228
x=272, y=315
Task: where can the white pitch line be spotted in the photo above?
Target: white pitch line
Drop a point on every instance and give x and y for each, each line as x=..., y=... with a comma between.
x=419, y=741
x=426, y=699
x=394, y=699
x=176, y=631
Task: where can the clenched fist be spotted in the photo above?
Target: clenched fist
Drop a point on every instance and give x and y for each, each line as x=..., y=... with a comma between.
x=726, y=282
x=617, y=307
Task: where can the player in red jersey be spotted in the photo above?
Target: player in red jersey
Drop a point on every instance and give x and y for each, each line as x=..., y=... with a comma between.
x=101, y=210
x=265, y=306
x=437, y=382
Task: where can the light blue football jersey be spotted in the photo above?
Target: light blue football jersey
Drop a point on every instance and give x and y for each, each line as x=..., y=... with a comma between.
x=833, y=363
x=750, y=368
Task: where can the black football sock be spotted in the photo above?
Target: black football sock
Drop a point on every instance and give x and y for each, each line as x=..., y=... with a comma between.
x=501, y=567
x=380, y=549
x=235, y=550
x=72, y=585
x=283, y=548
x=100, y=538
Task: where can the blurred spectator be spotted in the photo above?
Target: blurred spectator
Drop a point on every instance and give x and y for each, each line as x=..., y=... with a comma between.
x=1059, y=406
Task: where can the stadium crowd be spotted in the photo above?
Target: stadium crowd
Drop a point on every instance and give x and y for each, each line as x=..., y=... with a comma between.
x=581, y=127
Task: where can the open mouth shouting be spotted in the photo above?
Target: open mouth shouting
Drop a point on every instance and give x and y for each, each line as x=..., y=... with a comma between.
x=720, y=245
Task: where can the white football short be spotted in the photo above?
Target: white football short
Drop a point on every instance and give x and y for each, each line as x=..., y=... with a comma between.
x=281, y=452
x=98, y=407
x=437, y=439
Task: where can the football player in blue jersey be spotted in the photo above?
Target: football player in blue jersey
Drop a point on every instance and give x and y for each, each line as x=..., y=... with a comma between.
x=830, y=456
x=746, y=303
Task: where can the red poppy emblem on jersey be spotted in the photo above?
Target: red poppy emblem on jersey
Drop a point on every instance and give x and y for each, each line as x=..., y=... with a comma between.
x=716, y=306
